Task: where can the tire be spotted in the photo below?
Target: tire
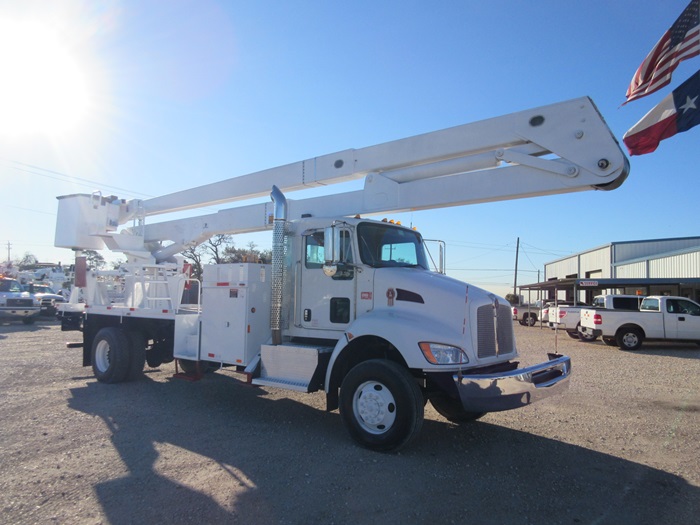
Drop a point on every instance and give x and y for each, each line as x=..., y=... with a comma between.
x=137, y=355
x=629, y=338
x=610, y=341
x=530, y=320
x=586, y=338
x=573, y=335
x=381, y=405
x=452, y=409
x=110, y=355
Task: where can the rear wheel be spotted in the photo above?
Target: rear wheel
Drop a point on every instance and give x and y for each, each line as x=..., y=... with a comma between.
x=452, y=409
x=137, y=355
x=110, y=355
x=586, y=338
x=629, y=338
x=381, y=405
x=530, y=320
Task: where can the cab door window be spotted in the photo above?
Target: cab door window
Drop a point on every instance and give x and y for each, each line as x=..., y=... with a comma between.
x=315, y=254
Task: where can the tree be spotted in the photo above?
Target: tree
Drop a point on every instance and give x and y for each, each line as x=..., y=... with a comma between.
x=512, y=298
x=94, y=259
x=28, y=262
x=220, y=249
x=249, y=254
x=216, y=246
x=194, y=256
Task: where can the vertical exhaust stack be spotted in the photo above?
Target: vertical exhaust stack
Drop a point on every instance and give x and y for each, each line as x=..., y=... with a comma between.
x=278, y=253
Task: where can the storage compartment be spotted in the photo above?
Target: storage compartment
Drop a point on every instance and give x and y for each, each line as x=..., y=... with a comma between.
x=235, y=312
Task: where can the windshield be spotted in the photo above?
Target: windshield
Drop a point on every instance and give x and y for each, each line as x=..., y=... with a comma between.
x=9, y=286
x=382, y=245
x=41, y=288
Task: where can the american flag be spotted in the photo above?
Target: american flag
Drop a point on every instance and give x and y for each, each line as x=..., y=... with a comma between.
x=681, y=41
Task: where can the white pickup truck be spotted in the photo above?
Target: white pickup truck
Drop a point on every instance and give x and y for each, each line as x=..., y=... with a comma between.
x=15, y=303
x=658, y=317
x=528, y=314
x=568, y=317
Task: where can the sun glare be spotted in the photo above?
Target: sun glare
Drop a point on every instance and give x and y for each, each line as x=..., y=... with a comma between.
x=42, y=88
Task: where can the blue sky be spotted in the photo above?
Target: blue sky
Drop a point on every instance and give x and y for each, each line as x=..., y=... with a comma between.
x=182, y=93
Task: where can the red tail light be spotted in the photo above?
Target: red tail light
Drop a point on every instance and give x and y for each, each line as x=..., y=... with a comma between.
x=515, y=311
x=597, y=319
x=562, y=314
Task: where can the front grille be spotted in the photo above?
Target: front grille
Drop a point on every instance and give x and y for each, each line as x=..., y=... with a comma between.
x=487, y=339
x=20, y=303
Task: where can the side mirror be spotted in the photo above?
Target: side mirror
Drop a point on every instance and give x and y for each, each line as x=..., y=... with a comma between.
x=331, y=243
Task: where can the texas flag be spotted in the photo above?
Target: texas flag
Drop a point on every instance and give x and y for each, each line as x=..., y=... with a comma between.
x=676, y=113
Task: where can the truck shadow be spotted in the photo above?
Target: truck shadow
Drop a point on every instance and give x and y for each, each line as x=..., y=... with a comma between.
x=654, y=348
x=682, y=350
x=272, y=460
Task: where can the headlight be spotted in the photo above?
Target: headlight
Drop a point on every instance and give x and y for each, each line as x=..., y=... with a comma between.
x=440, y=354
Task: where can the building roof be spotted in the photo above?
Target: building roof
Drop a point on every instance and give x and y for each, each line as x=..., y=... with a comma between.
x=603, y=284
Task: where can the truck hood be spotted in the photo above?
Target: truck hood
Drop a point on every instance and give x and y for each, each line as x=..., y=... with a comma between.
x=451, y=305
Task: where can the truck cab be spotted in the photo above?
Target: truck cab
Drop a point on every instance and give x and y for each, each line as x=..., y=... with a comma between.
x=16, y=303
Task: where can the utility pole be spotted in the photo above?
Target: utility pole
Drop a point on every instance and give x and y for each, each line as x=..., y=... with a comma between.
x=515, y=278
x=9, y=246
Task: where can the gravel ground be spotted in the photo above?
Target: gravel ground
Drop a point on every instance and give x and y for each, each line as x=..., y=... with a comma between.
x=621, y=446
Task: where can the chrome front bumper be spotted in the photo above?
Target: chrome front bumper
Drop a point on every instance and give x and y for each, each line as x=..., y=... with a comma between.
x=16, y=312
x=514, y=389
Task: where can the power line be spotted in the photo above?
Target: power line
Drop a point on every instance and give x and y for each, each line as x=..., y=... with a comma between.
x=70, y=178
x=490, y=270
x=28, y=209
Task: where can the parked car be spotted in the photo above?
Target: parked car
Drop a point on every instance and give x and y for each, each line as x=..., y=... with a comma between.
x=568, y=317
x=527, y=314
x=658, y=318
x=549, y=306
x=16, y=303
x=47, y=297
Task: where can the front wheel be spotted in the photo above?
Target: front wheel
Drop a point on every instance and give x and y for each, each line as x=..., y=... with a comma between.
x=453, y=410
x=381, y=405
x=629, y=338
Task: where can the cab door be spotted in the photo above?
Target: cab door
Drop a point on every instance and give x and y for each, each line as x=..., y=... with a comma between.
x=682, y=319
x=326, y=303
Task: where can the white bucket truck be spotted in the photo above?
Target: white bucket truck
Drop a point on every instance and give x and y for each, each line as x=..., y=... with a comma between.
x=348, y=305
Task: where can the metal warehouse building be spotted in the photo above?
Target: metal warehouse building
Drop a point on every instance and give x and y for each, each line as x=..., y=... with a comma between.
x=649, y=267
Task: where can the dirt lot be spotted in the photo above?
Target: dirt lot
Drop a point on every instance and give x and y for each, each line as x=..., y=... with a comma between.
x=621, y=446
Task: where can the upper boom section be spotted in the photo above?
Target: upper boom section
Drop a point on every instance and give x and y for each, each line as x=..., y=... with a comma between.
x=559, y=148
x=468, y=147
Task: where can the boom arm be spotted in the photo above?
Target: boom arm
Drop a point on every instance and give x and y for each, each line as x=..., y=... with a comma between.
x=553, y=149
